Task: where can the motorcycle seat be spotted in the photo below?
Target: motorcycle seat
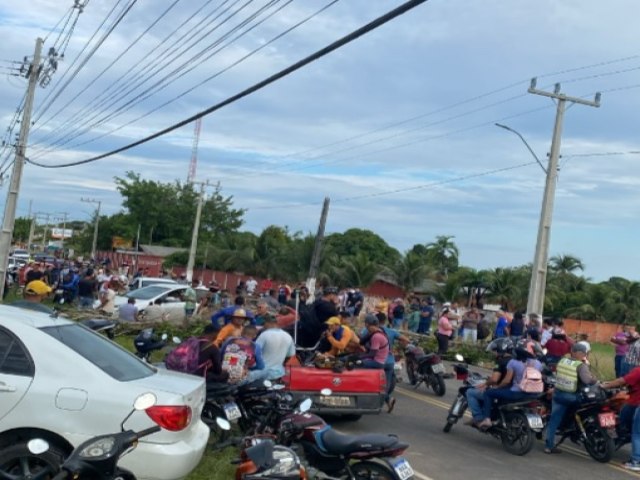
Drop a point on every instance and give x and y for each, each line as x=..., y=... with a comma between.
x=216, y=390
x=342, y=444
x=97, y=323
x=511, y=405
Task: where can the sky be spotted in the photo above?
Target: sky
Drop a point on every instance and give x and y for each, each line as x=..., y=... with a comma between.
x=397, y=128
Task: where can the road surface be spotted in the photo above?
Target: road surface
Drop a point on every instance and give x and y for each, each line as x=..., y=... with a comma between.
x=465, y=453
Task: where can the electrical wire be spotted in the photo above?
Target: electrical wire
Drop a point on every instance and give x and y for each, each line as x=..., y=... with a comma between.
x=163, y=83
x=396, y=12
x=140, y=68
x=151, y=69
x=66, y=15
x=217, y=74
x=54, y=94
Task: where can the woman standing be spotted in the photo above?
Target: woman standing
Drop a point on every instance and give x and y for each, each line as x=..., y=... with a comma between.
x=445, y=331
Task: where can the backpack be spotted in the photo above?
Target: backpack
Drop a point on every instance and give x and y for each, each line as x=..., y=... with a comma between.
x=185, y=357
x=531, y=380
x=238, y=356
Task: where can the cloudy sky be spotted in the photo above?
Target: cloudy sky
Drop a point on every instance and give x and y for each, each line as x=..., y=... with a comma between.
x=396, y=128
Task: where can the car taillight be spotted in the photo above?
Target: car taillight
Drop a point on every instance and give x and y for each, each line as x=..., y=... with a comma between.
x=170, y=417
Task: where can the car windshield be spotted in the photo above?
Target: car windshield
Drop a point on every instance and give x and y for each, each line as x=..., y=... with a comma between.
x=20, y=252
x=147, y=293
x=107, y=356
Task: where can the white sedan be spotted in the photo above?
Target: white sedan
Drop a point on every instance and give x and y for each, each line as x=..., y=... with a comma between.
x=64, y=383
x=171, y=296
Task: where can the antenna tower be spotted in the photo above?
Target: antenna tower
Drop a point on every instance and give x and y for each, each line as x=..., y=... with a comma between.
x=194, y=151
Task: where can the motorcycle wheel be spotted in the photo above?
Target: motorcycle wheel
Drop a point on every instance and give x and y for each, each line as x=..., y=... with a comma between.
x=459, y=405
x=371, y=471
x=599, y=445
x=411, y=373
x=438, y=385
x=217, y=436
x=517, y=438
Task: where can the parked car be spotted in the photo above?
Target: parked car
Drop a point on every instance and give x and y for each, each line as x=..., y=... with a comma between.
x=64, y=383
x=20, y=254
x=142, y=282
x=171, y=295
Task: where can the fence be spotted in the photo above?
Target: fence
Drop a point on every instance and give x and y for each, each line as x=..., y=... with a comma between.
x=597, y=331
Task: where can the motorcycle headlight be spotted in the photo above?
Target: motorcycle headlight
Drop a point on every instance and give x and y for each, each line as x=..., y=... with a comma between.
x=286, y=462
x=102, y=447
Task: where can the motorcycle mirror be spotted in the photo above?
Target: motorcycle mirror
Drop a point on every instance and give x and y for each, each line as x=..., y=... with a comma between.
x=326, y=392
x=145, y=401
x=38, y=446
x=459, y=357
x=544, y=351
x=267, y=384
x=61, y=301
x=176, y=340
x=164, y=336
x=223, y=423
x=277, y=386
x=305, y=405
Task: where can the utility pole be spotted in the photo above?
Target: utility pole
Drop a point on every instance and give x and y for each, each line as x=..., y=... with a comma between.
x=94, y=244
x=317, y=250
x=44, y=234
x=63, y=217
x=6, y=234
x=535, y=302
x=196, y=229
x=32, y=229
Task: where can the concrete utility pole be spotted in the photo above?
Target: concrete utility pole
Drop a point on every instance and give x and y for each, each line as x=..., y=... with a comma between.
x=94, y=244
x=32, y=229
x=63, y=217
x=196, y=229
x=535, y=302
x=317, y=250
x=9, y=220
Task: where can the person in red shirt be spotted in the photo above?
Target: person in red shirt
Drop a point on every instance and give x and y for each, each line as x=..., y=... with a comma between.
x=630, y=414
x=266, y=285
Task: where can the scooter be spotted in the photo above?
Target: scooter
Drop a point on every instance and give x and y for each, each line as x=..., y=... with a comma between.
x=516, y=424
x=425, y=368
x=98, y=457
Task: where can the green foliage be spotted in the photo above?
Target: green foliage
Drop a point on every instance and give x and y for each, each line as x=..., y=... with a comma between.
x=409, y=271
x=21, y=229
x=369, y=243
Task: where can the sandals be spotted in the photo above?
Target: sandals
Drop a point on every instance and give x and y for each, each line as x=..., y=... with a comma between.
x=553, y=450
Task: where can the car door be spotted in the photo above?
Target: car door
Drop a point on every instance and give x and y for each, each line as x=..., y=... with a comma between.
x=16, y=371
x=174, y=305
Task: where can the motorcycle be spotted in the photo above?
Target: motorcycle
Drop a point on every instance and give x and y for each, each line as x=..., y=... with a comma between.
x=262, y=458
x=516, y=424
x=98, y=457
x=592, y=424
x=147, y=342
x=425, y=368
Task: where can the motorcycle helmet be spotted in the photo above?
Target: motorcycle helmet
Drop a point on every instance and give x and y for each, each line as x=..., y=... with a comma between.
x=501, y=346
x=147, y=341
x=526, y=349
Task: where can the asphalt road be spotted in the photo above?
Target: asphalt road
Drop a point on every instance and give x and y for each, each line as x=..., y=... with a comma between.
x=465, y=453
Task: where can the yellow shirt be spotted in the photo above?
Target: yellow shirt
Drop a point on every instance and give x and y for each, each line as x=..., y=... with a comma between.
x=338, y=346
x=229, y=330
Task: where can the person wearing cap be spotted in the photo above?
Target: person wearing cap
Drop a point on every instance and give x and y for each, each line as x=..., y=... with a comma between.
x=572, y=373
x=34, y=293
x=226, y=312
x=338, y=336
x=277, y=348
x=377, y=348
x=234, y=328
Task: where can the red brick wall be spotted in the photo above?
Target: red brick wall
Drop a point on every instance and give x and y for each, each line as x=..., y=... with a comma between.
x=597, y=331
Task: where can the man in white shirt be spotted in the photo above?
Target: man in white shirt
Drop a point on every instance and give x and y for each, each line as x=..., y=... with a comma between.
x=277, y=347
x=128, y=312
x=252, y=284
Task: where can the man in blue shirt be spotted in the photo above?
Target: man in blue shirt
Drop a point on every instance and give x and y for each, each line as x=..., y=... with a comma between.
x=426, y=316
x=226, y=313
x=502, y=327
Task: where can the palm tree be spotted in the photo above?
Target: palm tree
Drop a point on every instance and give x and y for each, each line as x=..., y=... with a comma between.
x=443, y=254
x=357, y=270
x=505, y=288
x=565, y=264
x=409, y=271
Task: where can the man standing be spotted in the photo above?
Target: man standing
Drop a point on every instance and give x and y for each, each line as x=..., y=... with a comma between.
x=87, y=289
x=502, y=327
x=426, y=316
x=470, y=322
x=190, y=300
x=277, y=347
x=621, y=342
x=251, y=286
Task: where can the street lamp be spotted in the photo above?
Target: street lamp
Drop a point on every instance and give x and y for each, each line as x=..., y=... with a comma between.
x=525, y=142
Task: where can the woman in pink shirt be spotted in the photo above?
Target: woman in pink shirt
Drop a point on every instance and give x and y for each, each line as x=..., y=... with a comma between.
x=445, y=330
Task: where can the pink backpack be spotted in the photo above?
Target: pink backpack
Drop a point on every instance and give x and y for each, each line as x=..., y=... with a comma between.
x=185, y=357
x=531, y=380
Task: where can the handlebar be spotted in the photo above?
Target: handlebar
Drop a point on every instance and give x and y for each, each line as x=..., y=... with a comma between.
x=148, y=431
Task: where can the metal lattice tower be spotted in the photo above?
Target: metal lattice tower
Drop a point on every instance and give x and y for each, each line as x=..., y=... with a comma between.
x=194, y=151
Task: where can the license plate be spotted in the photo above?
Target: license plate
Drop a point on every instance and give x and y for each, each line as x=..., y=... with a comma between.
x=232, y=411
x=437, y=368
x=335, y=401
x=607, y=420
x=535, y=421
x=402, y=468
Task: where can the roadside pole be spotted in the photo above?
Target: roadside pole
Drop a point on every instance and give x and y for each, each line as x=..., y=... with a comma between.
x=196, y=228
x=317, y=251
x=535, y=302
x=94, y=243
x=32, y=231
x=8, y=222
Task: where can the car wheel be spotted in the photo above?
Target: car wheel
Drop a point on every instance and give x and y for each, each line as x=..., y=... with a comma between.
x=17, y=460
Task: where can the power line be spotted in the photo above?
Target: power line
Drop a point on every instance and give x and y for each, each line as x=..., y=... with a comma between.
x=405, y=7
x=211, y=77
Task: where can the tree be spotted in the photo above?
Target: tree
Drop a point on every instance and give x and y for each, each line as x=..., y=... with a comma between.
x=21, y=229
x=356, y=271
x=409, y=271
x=565, y=264
x=357, y=240
x=443, y=254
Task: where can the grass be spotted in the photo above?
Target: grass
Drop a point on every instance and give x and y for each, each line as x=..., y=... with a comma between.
x=602, y=360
